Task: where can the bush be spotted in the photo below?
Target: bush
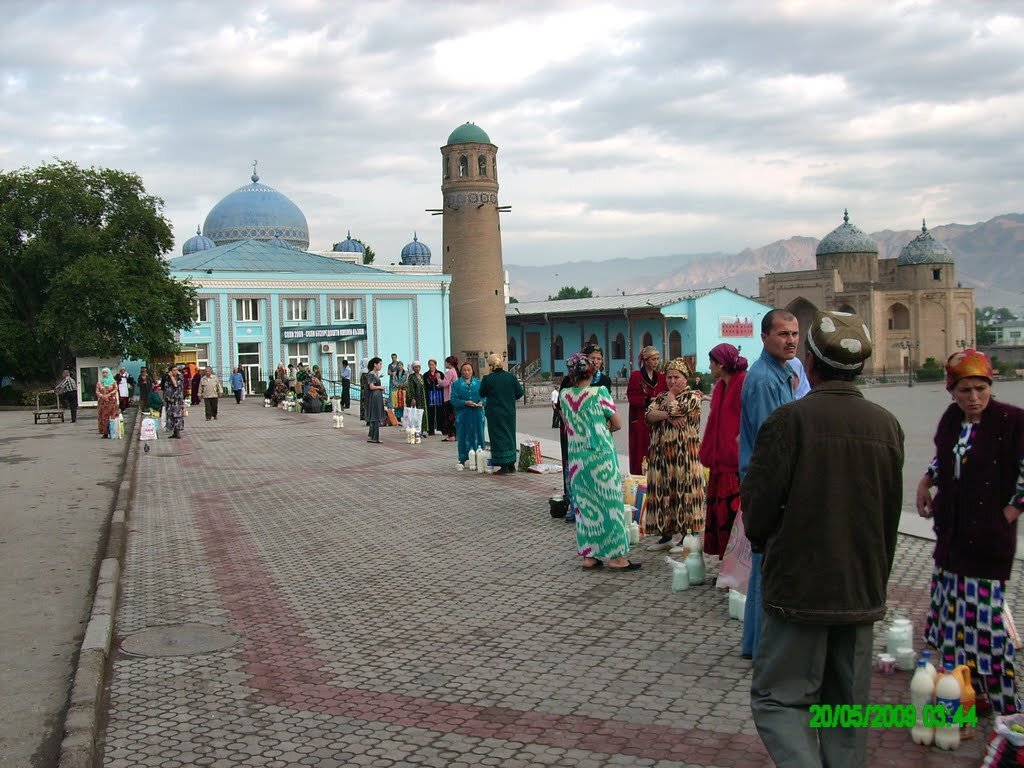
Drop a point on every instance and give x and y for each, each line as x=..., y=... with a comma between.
x=28, y=396
x=545, y=375
x=931, y=371
x=11, y=396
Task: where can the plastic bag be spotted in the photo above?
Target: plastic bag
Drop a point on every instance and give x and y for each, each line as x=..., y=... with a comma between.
x=1005, y=747
x=148, y=430
x=735, y=569
x=412, y=418
x=680, y=576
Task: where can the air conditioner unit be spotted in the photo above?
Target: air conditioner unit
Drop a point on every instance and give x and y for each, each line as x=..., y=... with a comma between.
x=327, y=347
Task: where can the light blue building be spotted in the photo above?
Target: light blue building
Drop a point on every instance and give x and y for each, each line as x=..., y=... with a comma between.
x=263, y=301
x=542, y=334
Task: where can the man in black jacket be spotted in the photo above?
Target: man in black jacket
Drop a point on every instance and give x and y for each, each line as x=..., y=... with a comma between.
x=822, y=499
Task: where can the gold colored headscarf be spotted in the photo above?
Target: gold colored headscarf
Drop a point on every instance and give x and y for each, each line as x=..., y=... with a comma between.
x=647, y=352
x=968, y=363
x=679, y=364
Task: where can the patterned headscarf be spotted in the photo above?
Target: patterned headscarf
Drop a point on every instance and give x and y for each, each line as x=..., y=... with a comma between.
x=579, y=366
x=970, y=362
x=679, y=364
x=647, y=352
x=728, y=356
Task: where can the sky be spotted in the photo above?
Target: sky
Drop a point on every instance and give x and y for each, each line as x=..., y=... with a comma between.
x=624, y=129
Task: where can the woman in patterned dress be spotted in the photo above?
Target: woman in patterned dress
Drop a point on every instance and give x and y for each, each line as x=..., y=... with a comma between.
x=978, y=470
x=435, y=397
x=675, y=477
x=644, y=385
x=174, y=393
x=106, y=402
x=590, y=417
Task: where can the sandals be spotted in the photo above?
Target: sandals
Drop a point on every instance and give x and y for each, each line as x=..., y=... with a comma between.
x=597, y=564
x=631, y=567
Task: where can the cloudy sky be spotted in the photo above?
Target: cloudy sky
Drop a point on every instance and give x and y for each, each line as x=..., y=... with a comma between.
x=624, y=128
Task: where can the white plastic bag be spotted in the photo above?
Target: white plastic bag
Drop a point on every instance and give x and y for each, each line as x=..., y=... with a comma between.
x=148, y=430
x=412, y=418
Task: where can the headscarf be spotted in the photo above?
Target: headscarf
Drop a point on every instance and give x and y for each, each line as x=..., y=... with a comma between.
x=105, y=378
x=579, y=366
x=416, y=363
x=679, y=364
x=968, y=363
x=728, y=356
x=495, y=361
x=647, y=352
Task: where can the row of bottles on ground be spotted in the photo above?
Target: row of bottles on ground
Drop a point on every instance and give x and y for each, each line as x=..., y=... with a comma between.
x=944, y=703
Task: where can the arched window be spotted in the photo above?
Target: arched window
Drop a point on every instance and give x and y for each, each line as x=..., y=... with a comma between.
x=494, y=165
x=446, y=167
x=556, y=349
x=593, y=340
x=647, y=340
x=846, y=308
x=675, y=345
x=463, y=166
x=619, y=348
x=898, y=318
x=512, y=349
x=481, y=165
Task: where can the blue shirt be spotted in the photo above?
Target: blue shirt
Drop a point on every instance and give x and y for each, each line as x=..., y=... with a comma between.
x=768, y=385
x=236, y=381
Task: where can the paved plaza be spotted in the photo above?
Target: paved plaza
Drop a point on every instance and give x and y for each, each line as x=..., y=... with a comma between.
x=384, y=609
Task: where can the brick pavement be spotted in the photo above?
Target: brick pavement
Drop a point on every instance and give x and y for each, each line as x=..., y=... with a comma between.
x=392, y=611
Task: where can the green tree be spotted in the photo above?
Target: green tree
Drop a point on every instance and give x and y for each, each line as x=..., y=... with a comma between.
x=513, y=300
x=81, y=269
x=368, y=254
x=568, y=292
x=986, y=317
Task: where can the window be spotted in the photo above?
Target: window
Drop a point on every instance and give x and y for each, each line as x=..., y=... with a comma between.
x=619, y=348
x=511, y=348
x=1014, y=334
x=481, y=165
x=296, y=309
x=298, y=353
x=344, y=309
x=899, y=317
x=203, y=356
x=463, y=166
x=936, y=274
x=556, y=348
x=201, y=310
x=346, y=350
x=675, y=345
x=647, y=340
x=446, y=167
x=593, y=340
x=247, y=310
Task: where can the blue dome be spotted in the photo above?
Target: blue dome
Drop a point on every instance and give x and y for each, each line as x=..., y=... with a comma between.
x=469, y=133
x=256, y=212
x=846, y=238
x=197, y=243
x=348, y=245
x=924, y=249
x=415, y=253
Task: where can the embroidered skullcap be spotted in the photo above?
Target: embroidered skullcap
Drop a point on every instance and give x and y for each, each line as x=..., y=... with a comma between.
x=679, y=364
x=579, y=366
x=840, y=340
x=968, y=363
x=728, y=356
x=495, y=361
x=648, y=352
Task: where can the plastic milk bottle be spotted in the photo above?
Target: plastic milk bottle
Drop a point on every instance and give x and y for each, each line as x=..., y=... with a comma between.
x=471, y=461
x=927, y=657
x=947, y=696
x=922, y=691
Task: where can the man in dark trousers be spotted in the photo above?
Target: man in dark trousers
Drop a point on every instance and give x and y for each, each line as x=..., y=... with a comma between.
x=67, y=393
x=822, y=498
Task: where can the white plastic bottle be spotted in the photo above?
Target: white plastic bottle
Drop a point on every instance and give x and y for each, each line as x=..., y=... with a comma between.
x=947, y=696
x=471, y=461
x=482, y=456
x=695, y=566
x=926, y=656
x=922, y=693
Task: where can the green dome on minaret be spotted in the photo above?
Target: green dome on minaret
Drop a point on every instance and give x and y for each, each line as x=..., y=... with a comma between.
x=469, y=133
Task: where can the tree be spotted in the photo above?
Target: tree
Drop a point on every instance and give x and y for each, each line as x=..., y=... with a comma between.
x=986, y=317
x=81, y=272
x=368, y=254
x=513, y=300
x=568, y=292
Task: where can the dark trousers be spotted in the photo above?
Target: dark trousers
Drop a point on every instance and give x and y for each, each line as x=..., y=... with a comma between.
x=238, y=395
x=373, y=433
x=69, y=400
x=346, y=385
x=211, y=407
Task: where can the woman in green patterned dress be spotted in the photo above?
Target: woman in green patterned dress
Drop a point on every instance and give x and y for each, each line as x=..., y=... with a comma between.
x=590, y=417
x=675, y=477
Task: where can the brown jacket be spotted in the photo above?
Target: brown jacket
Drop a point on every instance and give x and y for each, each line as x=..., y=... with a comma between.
x=822, y=499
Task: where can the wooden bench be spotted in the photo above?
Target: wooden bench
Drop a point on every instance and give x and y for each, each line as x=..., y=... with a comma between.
x=48, y=412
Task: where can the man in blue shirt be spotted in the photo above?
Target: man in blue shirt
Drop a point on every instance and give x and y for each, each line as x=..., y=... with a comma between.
x=237, y=383
x=346, y=384
x=768, y=385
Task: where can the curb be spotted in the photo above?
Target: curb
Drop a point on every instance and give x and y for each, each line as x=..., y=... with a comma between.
x=79, y=746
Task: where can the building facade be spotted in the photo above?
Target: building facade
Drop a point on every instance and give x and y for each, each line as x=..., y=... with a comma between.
x=541, y=335
x=913, y=305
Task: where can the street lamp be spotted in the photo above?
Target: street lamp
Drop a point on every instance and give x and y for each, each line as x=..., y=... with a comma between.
x=965, y=343
x=910, y=346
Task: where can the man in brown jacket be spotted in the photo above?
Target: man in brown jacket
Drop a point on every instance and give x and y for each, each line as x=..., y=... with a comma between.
x=822, y=499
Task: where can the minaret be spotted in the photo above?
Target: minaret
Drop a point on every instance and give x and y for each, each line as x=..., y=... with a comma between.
x=471, y=243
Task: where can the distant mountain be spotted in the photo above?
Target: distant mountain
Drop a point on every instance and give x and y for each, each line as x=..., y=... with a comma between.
x=989, y=258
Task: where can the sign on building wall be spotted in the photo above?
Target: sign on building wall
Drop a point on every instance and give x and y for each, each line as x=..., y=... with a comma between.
x=735, y=326
x=325, y=333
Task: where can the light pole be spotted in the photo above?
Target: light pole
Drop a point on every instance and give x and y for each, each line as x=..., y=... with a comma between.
x=965, y=343
x=910, y=346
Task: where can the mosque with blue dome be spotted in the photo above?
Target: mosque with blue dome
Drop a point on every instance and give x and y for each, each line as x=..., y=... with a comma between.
x=913, y=305
x=264, y=298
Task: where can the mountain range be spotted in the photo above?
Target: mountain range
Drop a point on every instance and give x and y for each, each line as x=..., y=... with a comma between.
x=989, y=258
